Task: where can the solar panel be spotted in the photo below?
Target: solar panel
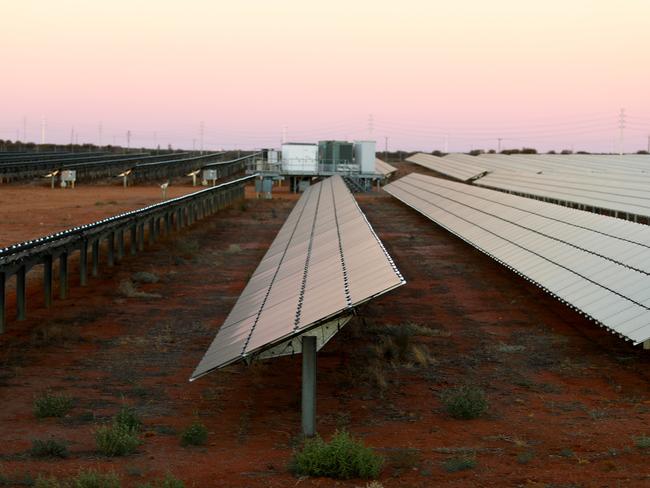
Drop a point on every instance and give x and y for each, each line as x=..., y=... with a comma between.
x=461, y=170
x=384, y=168
x=325, y=260
x=594, y=263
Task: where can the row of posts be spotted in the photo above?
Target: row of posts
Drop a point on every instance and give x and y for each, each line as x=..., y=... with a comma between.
x=115, y=249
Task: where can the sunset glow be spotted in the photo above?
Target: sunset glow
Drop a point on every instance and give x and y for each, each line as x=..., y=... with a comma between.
x=551, y=74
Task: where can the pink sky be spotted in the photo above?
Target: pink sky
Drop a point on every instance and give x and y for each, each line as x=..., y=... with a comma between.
x=550, y=74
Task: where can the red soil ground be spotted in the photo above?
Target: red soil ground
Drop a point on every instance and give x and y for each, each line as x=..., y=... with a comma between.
x=566, y=398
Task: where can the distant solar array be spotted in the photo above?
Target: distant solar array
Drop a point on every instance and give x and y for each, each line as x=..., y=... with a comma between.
x=384, y=168
x=325, y=261
x=596, y=264
x=615, y=184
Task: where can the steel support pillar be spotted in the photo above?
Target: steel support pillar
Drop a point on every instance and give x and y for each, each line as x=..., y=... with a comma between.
x=120, y=245
x=63, y=276
x=152, y=232
x=133, y=241
x=309, y=385
x=3, y=318
x=47, y=280
x=110, y=257
x=20, y=293
x=83, y=263
x=95, y=270
x=140, y=237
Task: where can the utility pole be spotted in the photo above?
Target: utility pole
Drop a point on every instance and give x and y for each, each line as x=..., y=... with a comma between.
x=155, y=140
x=499, y=144
x=446, y=144
x=24, y=129
x=371, y=125
x=201, y=133
x=72, y=135
x=100, y=129
x=128, y=139
x=621, y=126
x=284, y=134
x=43, y=130
x=386, y=148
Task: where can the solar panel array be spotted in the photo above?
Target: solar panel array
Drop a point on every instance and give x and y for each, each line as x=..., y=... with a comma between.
x=325, y=261
x=384, y=168
x=617, y=184
x=596, y=264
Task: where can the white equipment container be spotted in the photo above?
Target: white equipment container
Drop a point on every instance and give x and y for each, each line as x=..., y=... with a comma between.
x=300, y=158
x=364, y=156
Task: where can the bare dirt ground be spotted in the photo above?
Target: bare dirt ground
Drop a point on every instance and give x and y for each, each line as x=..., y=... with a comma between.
x=30, y=211
x=566, y=398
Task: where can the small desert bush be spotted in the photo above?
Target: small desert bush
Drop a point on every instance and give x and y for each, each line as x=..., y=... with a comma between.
x=85, y=479
x=128, y=289
x=48, y=448
x=642, y=442
x=464, y=402
x=116, y=440
x=168, y=481
x=50, y=405
x=195, y=435
x=460, y=463
x=145, y=277
x=342, y=458
x=128, y=418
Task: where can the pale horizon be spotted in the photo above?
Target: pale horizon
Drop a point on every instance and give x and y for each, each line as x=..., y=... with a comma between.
x=549, y=76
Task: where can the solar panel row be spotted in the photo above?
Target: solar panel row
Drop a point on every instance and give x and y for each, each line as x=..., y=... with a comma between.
x=614, y=183
x=594, y=263
x=325, y=261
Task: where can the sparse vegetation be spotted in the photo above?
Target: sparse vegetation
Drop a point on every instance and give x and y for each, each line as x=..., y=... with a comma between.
x=48, y=448
x=460, y=463
x=233, y=249
x=168, y=481
x=51, y=405
x=464, y=402
x=195, y=435
x=84, y=479
x=116, y=440
x=525, y=457
x=567, y=453
x=642, y=442
x=144, y=277
x=342, y=458
x=128, y=418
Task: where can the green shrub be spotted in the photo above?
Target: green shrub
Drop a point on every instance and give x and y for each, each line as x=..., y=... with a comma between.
x=48, y=448
x=343, y=458
x=116, y=440
x=195, y=435
x=465, y=402
x=48, y=405
x=168, y=481
x=42, y=482
x=95, y=479
x=128, y=419
x=460, y=463
x=642, y=442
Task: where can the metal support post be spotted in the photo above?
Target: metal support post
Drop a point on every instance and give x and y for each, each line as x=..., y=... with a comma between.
x=110, y=258
x=309, y=385
x=152, y=232
x=83, y=263
x=95, y=270
x=133, y=241
x=20, y=292
x=3, y=318
x=120, y=244
x=63, y=275
x=47, y=280
x=140, y=237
